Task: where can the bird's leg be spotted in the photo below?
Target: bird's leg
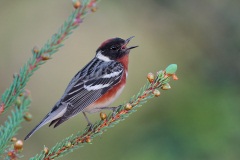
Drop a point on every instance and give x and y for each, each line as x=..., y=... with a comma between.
x=89, y=123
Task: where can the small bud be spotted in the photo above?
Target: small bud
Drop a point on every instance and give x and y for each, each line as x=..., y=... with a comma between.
x=21, y=94
x=103, y=116
x=128, y=106
x=28, y=116
x=18, y=102
x=18, y=145
x=35, y=50
x=166, y=86
x=14, y=139
x=45, y=57
x=76, y=4
x=88, y=139
x=150, y=77
x=11, y=154
x=174, y=76
x=156, y=93
x=46, y=150
x=160, y=73
x=69, y=144
x=94, y=9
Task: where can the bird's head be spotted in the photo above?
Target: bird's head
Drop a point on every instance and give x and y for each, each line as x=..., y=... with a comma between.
x=113, y=49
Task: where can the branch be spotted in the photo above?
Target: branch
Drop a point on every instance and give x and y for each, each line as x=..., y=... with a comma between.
x=147, y=92
x=40, y=56
x=12, y=125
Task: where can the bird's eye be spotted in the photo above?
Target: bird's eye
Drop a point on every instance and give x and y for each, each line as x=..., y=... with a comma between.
x=113, y=48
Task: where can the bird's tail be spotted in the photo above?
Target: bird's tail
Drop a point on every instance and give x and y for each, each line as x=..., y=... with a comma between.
x=54, y=116
x=45, y=120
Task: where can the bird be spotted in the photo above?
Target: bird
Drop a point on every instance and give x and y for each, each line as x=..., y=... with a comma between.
x=95, y=86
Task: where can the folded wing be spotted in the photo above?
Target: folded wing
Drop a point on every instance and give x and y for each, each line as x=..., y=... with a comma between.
x=86, y=90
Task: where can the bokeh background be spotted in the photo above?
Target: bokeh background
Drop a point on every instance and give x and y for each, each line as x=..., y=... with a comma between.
x=198, y=119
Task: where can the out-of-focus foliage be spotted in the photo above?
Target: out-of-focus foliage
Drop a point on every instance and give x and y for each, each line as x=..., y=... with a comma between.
x=197, y=119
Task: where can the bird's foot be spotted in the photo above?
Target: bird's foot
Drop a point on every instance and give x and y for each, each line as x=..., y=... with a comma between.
x=90, y=126
x=115, y=110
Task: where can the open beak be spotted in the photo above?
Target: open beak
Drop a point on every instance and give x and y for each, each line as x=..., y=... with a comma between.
x=126, y=42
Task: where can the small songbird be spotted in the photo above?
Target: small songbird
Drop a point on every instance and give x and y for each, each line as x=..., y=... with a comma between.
x=95, y=86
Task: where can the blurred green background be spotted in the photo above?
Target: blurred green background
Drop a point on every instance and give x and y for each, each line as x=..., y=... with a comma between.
x=198, y=119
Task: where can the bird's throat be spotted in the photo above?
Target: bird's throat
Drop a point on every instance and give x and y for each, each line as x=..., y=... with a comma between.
x=124, y=61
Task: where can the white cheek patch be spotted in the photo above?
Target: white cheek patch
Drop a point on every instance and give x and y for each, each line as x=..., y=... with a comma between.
x=102, y=57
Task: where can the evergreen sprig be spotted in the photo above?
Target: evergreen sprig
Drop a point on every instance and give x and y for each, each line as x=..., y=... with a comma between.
x=12, y=125
x=147, y=92
x=40, y=56
x=16, y=96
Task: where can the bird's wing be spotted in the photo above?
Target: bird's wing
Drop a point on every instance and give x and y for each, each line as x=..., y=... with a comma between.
x=84, y=74
x=85, y=91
